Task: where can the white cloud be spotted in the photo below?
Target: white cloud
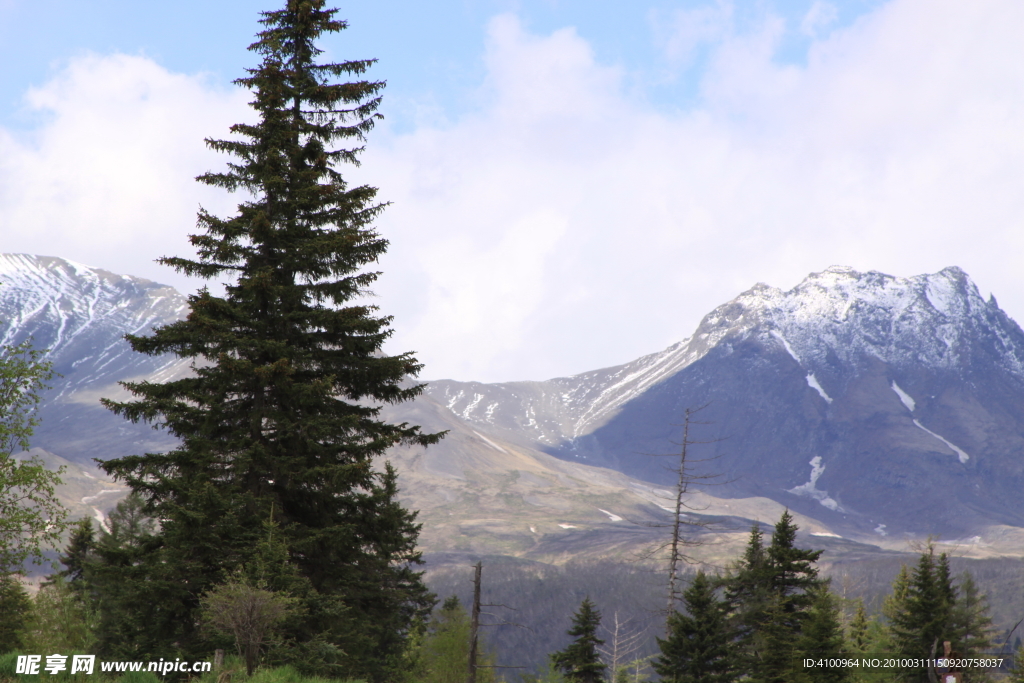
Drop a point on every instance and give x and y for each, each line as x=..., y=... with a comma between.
x=564, y=224
x=683, y=32
x=108, y=177
x=820, y=16
x=898, y=148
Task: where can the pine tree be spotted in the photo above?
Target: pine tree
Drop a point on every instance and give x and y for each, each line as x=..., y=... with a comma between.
x=769, y=595
x=77, y=555
x=699, y=646
x=972, y=625
x=822, y=636
x=580, y=661
x=748, y=593
x=121, y=583
x=282, y=410
x=859, y=629
x=920, y=618
x=15, y=613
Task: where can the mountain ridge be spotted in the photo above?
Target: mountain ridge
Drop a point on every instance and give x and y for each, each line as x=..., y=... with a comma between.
x=856, y=399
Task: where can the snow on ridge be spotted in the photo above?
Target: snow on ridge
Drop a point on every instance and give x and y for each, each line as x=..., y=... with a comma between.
x=494, y=445
x=789, y=349
x=924, y=319
x=907, y=400
x=960, y=454
x=812, y=382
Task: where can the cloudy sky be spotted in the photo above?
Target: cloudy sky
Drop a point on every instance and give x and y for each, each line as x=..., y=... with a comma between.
x=574, y=183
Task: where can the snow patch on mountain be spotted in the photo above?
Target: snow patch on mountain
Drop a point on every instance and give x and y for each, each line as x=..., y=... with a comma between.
x=785, y=345
x=810, y=489
x=812, y=382
x=909, y=402
x=491, y=443
x=959, y=451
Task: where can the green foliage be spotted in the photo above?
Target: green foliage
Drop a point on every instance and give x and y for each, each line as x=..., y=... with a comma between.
x=1017, y=673
x=769, y=594
x=31, y=516
x=15, y=613
x=247, y=613
x=699, y=646
x=580, y=662
x=123, y=591
x=972, y=625
x=282, y=412
x=63, y=620
x=139, y=677
x=822, y=635
x=920, y=612
x=858, y=640
x=443, y=655
x=78, y=554
x=551, y=675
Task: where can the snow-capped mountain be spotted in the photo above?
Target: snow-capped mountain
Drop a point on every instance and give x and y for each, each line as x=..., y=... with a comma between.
x=878, y=405
x=883, y=403
x=80, y=315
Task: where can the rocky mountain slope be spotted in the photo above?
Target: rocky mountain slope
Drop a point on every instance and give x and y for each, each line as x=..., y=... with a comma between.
x=878, y=408
x=80, y=316
x=879, y=404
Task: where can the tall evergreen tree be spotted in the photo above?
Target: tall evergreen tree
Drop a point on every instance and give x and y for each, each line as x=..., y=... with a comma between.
x=15, y=613
x=699, y=646
x=769, y=596
x=283, y=409
x=748, y=593
x=920, y=619
x=77, y=555
x=822, y=636
x=859, y=629
x=972, y=625
x=580, y=661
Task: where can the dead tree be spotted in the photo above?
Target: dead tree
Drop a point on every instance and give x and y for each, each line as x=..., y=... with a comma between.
x=474, y=624
x=622, y=642
x=474, y=627
x=679, y=540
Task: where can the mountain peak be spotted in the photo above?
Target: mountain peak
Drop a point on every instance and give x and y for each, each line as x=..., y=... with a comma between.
x=937, y=319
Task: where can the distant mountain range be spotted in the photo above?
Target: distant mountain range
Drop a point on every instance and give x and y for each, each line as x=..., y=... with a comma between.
x=881, y=405
x=878, y=408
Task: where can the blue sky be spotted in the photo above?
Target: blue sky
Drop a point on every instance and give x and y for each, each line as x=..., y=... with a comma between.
x=429, y=52
x=573, y=183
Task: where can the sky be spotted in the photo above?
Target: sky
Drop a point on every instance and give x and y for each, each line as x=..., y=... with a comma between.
x=572, y=183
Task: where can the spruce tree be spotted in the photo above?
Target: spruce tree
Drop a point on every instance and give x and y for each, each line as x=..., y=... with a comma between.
x=580, y=662
x=699, y=646
x=921, y=618
x=822, y=636
x=859, y=629
x=282, y=411
x=769, y=596
x=77, y=555
x=748, y=593
x=972, y=626
x=15, y=612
